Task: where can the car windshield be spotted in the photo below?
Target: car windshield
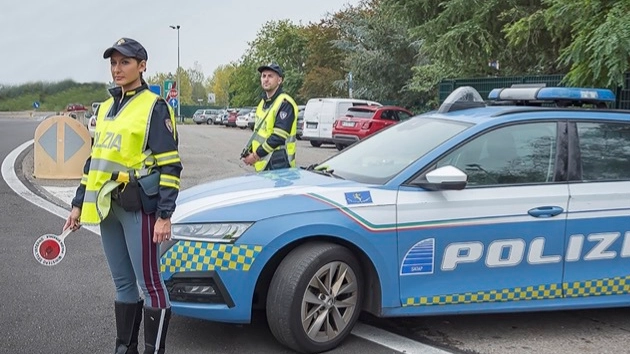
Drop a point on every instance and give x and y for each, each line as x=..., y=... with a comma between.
x=385, y=154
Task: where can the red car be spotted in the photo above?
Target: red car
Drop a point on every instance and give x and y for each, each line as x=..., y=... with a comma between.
x=231, y=120
x=363, y=121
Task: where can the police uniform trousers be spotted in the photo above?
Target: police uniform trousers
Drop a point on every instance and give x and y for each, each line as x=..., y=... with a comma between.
x=133, y=257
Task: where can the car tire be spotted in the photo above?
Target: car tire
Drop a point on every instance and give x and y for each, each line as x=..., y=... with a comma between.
x=209, y=121
x=316, y=143
x=340, y=146
x=294, y=297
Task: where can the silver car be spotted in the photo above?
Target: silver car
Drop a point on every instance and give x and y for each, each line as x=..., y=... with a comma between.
x=206, y=116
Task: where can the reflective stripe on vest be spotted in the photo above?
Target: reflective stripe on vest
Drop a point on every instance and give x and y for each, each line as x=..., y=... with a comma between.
x=119, y=145
x=266, y=130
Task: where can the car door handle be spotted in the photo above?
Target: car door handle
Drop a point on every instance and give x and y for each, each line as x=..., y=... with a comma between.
x=545, y=211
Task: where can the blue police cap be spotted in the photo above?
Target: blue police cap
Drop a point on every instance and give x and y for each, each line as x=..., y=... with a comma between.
x=273, y=67
x=129, y=48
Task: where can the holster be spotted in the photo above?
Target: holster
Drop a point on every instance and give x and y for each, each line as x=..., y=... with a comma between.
x=149, y=192
x=141, y=194
x=129, y=197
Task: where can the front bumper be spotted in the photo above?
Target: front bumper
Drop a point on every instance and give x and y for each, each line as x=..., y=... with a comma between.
x=211, y=281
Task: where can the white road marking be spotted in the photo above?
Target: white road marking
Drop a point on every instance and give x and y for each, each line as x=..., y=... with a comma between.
x=376, y=335
x=393, y=341
x=12, y=180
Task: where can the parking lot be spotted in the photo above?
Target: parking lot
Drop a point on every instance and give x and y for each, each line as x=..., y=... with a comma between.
x=213, y=152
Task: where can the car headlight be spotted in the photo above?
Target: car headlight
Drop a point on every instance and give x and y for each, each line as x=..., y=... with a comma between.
x=215, y=232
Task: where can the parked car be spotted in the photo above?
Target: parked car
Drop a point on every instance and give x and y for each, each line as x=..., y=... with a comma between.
x=226, y=115
x=75, y=107
x=219, y=118
x=300, y=122
x=472, y=208
x=359, y=122
x=196, y=115
x=241, y=118
x=320, y=114
x=251, y=119
x=231, y=119
x=205, y=116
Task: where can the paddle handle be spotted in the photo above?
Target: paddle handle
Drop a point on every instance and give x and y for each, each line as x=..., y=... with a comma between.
x=65, y=233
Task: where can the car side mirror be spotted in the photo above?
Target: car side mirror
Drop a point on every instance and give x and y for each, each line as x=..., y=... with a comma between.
x=443, y=178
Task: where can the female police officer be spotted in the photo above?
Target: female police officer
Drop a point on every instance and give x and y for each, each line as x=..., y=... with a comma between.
x=135, y=133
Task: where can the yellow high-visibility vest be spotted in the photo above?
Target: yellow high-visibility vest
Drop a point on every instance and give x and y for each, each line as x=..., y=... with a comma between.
x=267, y=128
x=119, y=146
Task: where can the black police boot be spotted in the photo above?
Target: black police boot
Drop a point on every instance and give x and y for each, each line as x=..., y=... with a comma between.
x=155, y=328
x=128, y=319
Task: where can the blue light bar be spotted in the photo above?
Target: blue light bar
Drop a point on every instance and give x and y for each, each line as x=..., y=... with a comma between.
x=576, y=94
x=552, y=94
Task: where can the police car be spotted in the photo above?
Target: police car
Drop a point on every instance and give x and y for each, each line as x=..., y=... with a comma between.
x=517, y=203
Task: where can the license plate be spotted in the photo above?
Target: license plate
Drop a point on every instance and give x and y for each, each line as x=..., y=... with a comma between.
x=311, y=125
x=347, y=123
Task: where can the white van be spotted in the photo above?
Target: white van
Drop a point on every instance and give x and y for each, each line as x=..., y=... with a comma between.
x=320, y=114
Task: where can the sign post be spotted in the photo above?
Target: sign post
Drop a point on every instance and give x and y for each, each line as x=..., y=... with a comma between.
x=168, y=85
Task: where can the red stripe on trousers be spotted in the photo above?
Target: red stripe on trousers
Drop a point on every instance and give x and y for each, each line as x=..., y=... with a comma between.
x=150, y=264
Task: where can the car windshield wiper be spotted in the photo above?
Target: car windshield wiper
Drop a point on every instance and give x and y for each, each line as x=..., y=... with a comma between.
x=323, y=170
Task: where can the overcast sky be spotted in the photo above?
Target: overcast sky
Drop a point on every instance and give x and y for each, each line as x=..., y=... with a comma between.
x=42, y=40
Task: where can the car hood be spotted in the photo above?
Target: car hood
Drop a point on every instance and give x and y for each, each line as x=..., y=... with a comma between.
x=258, y=196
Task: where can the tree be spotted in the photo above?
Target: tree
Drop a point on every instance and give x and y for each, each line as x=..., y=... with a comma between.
x=379, y=52
x=597, y=44
x=245, y=90
x=197, y=78
x=323, y=63
x=284, y=43
x=219, y=84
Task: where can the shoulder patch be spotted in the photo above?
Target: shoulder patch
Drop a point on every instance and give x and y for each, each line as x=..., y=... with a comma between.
x=168, y=124
x=283, y=114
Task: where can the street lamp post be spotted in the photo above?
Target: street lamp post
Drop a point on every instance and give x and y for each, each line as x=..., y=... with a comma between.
x=179, y=97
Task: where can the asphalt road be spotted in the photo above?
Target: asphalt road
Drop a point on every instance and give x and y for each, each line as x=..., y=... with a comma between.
x=68, y=308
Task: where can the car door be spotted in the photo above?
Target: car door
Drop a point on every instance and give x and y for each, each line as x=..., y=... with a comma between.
x=598, y=227
x=387, y=118
x=499, y=241
x=312, y=115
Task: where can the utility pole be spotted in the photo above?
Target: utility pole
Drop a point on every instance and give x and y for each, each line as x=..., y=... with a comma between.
x=177, y=86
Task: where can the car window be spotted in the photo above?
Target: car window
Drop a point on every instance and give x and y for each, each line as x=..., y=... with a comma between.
x=523, y=153
x=403, y=115
x=605, y=151
x=388, y=115
x=359, y=113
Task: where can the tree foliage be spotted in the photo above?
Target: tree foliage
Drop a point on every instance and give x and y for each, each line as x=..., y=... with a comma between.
x=399, y=50
x=379, y=52
x=593, y=37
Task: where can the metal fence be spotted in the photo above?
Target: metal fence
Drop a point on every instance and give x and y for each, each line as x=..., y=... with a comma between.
x=486, y=84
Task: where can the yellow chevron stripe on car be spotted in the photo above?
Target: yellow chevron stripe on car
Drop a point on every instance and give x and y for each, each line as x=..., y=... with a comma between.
x=199, y=256
x=596, y=287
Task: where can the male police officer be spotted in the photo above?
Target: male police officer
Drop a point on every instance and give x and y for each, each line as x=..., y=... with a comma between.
x=274, y=137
